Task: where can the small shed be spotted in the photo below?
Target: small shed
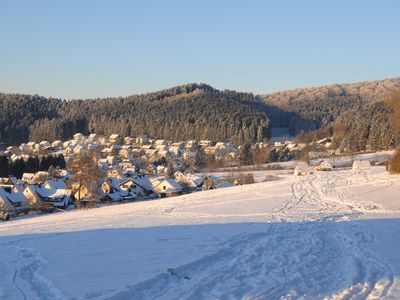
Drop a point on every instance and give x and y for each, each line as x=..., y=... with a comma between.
x=359, y=165
x=300, y=170
x=324, y=166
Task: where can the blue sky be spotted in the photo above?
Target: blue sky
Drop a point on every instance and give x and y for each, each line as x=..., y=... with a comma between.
x=94, y=48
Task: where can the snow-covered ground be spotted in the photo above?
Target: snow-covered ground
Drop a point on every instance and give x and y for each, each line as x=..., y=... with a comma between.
x=330, y=235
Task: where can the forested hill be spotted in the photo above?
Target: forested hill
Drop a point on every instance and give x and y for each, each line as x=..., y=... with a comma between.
x=322, y=105
x=355, y=113
x=192, y=111
x=356, y=110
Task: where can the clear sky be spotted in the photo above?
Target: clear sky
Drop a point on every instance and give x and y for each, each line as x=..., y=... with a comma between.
x=95, y=48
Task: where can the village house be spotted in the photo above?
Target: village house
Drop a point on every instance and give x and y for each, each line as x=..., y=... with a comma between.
x=112, y=192
x=111, y=159
x=92, y=137
x=303, y=169
x=102, y=140
x=6, y=182
x=69, y=150
x=28, y=177
x=136, y=152
x=161, y=147
x=160, y=142
x=107, y=186
x=175, y=150
x=31, y=145
x=79, y=137
x=91, y=146
x=167, y=188
x=129, y=140
x=359, y=165
x=125, y=153
x=116, y=173
x=57, y=145
x=81, y=192
x=129, y=185
x=205, y=143
x=188, y=154
x=103, y=163
x=79, y=150
x=324, y=166
x=190, y=144
x=214, y=182
x=162, y=154
x=150, y=153
x=142, y=139
x=54, y=192
x=189, y=180
x=23, y=147
x=209, y=150
x=44, y=144
x=5, y=204
x=114, y=138
x=32, y=197
x=16, y=199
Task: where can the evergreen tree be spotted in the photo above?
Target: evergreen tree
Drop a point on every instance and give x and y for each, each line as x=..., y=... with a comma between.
x=199, y=160
x=4, y=171
x=17, y=168
x=32, y=164
x=245, y=155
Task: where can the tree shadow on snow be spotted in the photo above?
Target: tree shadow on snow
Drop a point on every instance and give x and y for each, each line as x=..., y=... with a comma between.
x=222, y=261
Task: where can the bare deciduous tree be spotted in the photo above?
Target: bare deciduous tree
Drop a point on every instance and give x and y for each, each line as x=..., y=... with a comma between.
x=87, y=174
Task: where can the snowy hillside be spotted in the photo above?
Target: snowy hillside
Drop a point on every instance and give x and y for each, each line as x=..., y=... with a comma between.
x=331, y=234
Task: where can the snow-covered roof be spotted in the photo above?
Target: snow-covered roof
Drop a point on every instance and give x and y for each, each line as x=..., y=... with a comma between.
x=56, y=184
x=52, y=192
x=173, y=185
x=144, y=182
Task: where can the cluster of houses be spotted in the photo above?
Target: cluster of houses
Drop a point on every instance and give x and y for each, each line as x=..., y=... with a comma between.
x=26, y=195
x=133, y=168
x=31, y=195
x=115, y=149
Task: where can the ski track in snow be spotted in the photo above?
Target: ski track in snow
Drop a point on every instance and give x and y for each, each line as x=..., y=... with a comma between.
x=312, y=249
x=287, y=262
x=27, y=277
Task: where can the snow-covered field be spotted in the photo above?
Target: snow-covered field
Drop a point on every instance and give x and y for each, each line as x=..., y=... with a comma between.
x=332, y=235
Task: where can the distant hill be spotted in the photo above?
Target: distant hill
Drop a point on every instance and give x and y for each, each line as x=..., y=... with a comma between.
x=318, y=106
x=192, y=111
x=355, y=110
x=198, y=111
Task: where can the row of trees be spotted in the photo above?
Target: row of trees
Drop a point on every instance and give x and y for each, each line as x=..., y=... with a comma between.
x=20, y=166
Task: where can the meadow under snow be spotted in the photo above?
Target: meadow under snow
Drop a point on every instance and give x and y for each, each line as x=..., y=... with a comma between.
x=333, y=235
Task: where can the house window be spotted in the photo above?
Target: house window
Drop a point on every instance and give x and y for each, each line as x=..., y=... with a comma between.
x=164, y=187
